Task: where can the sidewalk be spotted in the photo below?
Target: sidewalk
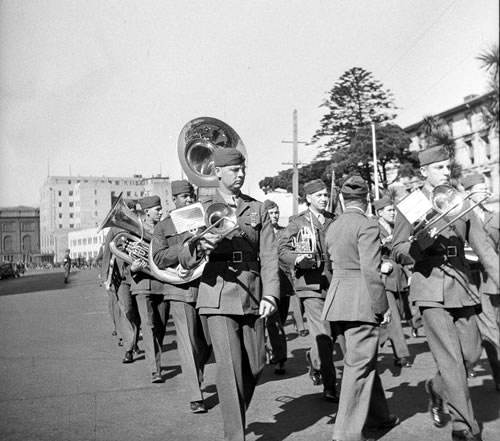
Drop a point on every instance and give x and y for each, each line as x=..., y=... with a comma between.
x=63, y=379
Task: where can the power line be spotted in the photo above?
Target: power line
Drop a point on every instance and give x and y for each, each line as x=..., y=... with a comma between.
x=419, y=37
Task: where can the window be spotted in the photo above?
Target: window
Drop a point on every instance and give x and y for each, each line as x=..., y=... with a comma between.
x=8, y=226
x=72, y=225
x=128, y=193
x=84, y=241
x=71, y=215
x=7, y=243
x=95, y=202
x=79, y=241
x=60, y=215
x=59, y=193
x=71, y=192
x=26, y=243
x=60, y=226
x=71, y=204
x=69, y=181
x=60, y=204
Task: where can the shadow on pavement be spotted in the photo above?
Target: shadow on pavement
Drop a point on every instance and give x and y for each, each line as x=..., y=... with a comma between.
x=37, y=282
x=293, y=418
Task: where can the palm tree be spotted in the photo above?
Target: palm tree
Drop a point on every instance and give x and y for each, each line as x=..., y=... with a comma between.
x=490, y=62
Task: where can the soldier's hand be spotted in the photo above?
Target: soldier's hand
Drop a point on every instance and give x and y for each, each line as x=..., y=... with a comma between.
x=208, y=242
x=386, y=267
x=386, y=318
x=305, y=261
x=267, y=306
x=137, y=265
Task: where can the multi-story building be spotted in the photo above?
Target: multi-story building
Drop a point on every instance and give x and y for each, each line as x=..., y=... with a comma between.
x=86, y=243
x=70, y=203
x=19, y=234
x=476, y=147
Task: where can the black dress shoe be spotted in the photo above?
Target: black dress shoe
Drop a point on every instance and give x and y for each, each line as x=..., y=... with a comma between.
x=197, y=407
x=465, y=435
x=414, y=332
x=436, y=407
x=314, y=374
x=120, y=342
x=304, y=333
x=113, y=333
x=128, y=358
x=331, y=395
x=389, y=423
x=280, y=368
x=156, y=378
x=402, y=362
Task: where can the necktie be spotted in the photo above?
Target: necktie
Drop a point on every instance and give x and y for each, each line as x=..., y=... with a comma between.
x=321, y=218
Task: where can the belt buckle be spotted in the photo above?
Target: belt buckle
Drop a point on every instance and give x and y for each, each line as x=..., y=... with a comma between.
x=237, y=257
x=451, y=251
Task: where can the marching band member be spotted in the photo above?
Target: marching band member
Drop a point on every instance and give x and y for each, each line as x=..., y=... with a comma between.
x=276, y=321
x=441, y=286
x=489, y=319
x=239, y=287
x=311, y=282
x=66, y=265
x=193, y=341
x=357, y=303
x=149, y=295
x=395, y=282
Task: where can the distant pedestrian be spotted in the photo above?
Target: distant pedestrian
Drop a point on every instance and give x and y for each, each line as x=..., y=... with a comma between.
x=66, y=265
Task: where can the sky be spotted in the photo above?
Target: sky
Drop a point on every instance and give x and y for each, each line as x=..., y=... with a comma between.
x=104, y=87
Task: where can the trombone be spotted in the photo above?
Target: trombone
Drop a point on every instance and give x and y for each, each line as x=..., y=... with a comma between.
x=448, y=201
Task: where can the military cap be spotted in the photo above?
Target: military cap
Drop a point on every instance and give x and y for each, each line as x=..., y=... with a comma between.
x=382, y=203
x=269, y=204
x=472, y=179
x=434, y=154
x=354, y=186
x=228, y=156
x=180, y=187
x=150, y=202
x=314, y=186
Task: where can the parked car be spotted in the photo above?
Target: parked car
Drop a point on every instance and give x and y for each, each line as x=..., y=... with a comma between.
x=8, y=270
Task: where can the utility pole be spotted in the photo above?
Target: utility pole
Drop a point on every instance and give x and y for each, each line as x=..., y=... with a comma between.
x=295, y=163
x=375, y=165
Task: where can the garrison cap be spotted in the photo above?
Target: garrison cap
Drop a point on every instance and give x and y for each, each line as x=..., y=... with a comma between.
x=314, y=186
x=354, y=186
x=382, y=203
x=180, y=187
x=433, y=154
x=472, y=179
x=269, y=204
x=150, y=202
x=224, y=157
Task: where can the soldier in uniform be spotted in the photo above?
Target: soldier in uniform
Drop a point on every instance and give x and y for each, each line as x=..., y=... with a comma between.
x=395, y=282
x=357, y=304
x=193, y=340
x=239, y=287
x=275, y=324
x=311, y=281
x=149, y=295
x=442, y=287
x=66, y=265
x=489, y=319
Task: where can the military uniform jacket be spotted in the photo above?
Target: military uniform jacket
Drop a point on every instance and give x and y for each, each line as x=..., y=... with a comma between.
x=356, y=292
x=396, y=280
x=307, y=282
x=441, y=274
x=166, y=245
x=491, y=226
x=241, y=269
x=286, y=276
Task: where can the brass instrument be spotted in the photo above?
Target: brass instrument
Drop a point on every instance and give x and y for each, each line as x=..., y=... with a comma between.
x=448, y=201
x=305, y=241
x=198, y=140
x=134, y=243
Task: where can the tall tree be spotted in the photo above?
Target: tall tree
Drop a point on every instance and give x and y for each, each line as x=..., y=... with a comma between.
x=490, y=62
x=354, y=101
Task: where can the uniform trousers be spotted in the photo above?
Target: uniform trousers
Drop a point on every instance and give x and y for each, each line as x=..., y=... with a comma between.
x=238, y=344
x=152, y=310
x=129, y=317
x=193, y=346
x=275, y=325
x=362, y=398
x=489, y=327
x=114, y=310
x=323, y=340
x=453, y=338
x=394, y=330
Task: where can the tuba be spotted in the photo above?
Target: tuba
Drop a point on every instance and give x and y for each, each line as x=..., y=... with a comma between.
x=134, y=243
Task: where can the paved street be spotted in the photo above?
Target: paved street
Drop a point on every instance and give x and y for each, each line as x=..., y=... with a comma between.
x=62, y=379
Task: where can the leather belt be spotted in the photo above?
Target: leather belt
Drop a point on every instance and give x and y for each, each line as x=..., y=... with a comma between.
x=451, y=251
x=234, y=257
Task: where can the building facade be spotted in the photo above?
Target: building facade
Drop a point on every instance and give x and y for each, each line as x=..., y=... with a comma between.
x=85, y=244
x=19, y=234
x=69, y=203
x=476, y=147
